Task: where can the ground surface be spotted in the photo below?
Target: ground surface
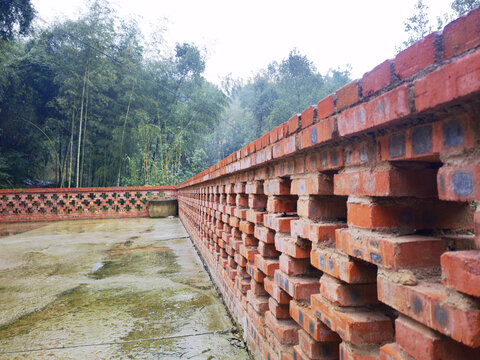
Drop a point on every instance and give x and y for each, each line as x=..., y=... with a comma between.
x=108, y=289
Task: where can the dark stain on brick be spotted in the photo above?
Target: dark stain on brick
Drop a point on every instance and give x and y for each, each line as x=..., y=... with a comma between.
x=374, y=243
x=462, y=183
x=417, y=305
x=357, y=253
x=300, y=317
x=396, y=146
x=311, y=327
x=452, y=133
x=440, y=315
x=313, y=134
x=321, y=260
x=422, y=140
x=330, y=264
x=376, y=257
x=327, y=321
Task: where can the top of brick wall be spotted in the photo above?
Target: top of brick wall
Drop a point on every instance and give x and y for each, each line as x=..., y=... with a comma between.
x=439, y=70
x=85, y=189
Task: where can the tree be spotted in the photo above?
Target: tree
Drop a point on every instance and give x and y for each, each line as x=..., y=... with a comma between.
x=461, y=7
x=417, y=26
x=15, y=18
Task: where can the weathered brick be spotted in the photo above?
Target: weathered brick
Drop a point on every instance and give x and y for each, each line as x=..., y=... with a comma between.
x=344, y=294
x=304, y=316
x=420, y=342
x=292, y=266
x=462, y=34
x=360, y=327
x=267, y=266
x=339, y=265
x=450, y=82
x=277, y=187
x=308, y=116
x=393, y=351
x=348, y=95
x=264, y=234
x=352, y=352
x=429, y=303
x=322, y=207
x=276, y=292
x=416, y=57
x=379, y=112
x=390, y=251
x=280, y=311
x=392, y=182
x=297, y=248
x=461, y=270
x=299, y=288
x=376, y=79
x=326, y=107
x=313, y=185
x=285, y=331
x=459, y=183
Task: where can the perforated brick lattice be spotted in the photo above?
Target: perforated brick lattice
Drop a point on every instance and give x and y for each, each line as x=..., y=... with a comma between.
x=83, y=203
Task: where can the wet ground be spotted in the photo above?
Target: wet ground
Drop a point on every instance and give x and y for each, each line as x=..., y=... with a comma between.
x=109, y=289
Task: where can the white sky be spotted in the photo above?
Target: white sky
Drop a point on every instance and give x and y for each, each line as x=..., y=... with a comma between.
x=244, y=36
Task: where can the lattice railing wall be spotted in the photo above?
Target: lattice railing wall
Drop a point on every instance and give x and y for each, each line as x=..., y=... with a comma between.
x=82, y=203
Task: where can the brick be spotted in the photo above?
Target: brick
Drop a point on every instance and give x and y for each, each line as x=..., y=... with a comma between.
x=267, y=266
x=409, y=215
x=381, y=111
x=476, y=225
x=322, y=207
x=360, y=327
x=247, y=227
x=255, y=187
x=427, y=142
x=297, y=248
x=259, y=303
x=343, y=294
x=243, y=285
x=430, y=303
x=339, y=265
x=255, y=216
x=393, y=351
x=352, y=352
x=257, y=287
x=257, y=320
x=459, y=183
x=450, y=82
x=461, y=270
x=276, y=187
x=282, y=223
x=308, y=116
x=241, y=213
x=280, y=311
x=248, y=252
x=348, y=95
x=392, y=182
x=304, y=316
x=293, y=123
x=314, y=185
x=267, y=250
x=326, y=107
x=255, y=273
x=281, y=204
x=292, y=266
x=390, y=251
x=276, y=292
x=249, y=240
x=324, y=231
x=420, y=342
x=264, y=234
x=300, y=228
x=241, y=200
x=317, y=350
x=462, y=34
x=299, y=288
x=416, y=57
x=285, y=331
x=320, y=132
x=258, y=202
x=376, y=79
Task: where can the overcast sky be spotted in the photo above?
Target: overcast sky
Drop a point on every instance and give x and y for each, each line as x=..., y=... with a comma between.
x=242, y=37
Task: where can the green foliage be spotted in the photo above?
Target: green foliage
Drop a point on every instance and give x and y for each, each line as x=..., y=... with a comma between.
x=461, y=7
x=417, y=26
x=15, y=18
x=269, y=99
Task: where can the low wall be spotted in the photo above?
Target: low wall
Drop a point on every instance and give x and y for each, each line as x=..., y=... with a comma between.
x=79, y=203
x=348, y=231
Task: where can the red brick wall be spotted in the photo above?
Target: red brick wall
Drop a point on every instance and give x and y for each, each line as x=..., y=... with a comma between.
x=350, y=231
x=82, y=203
